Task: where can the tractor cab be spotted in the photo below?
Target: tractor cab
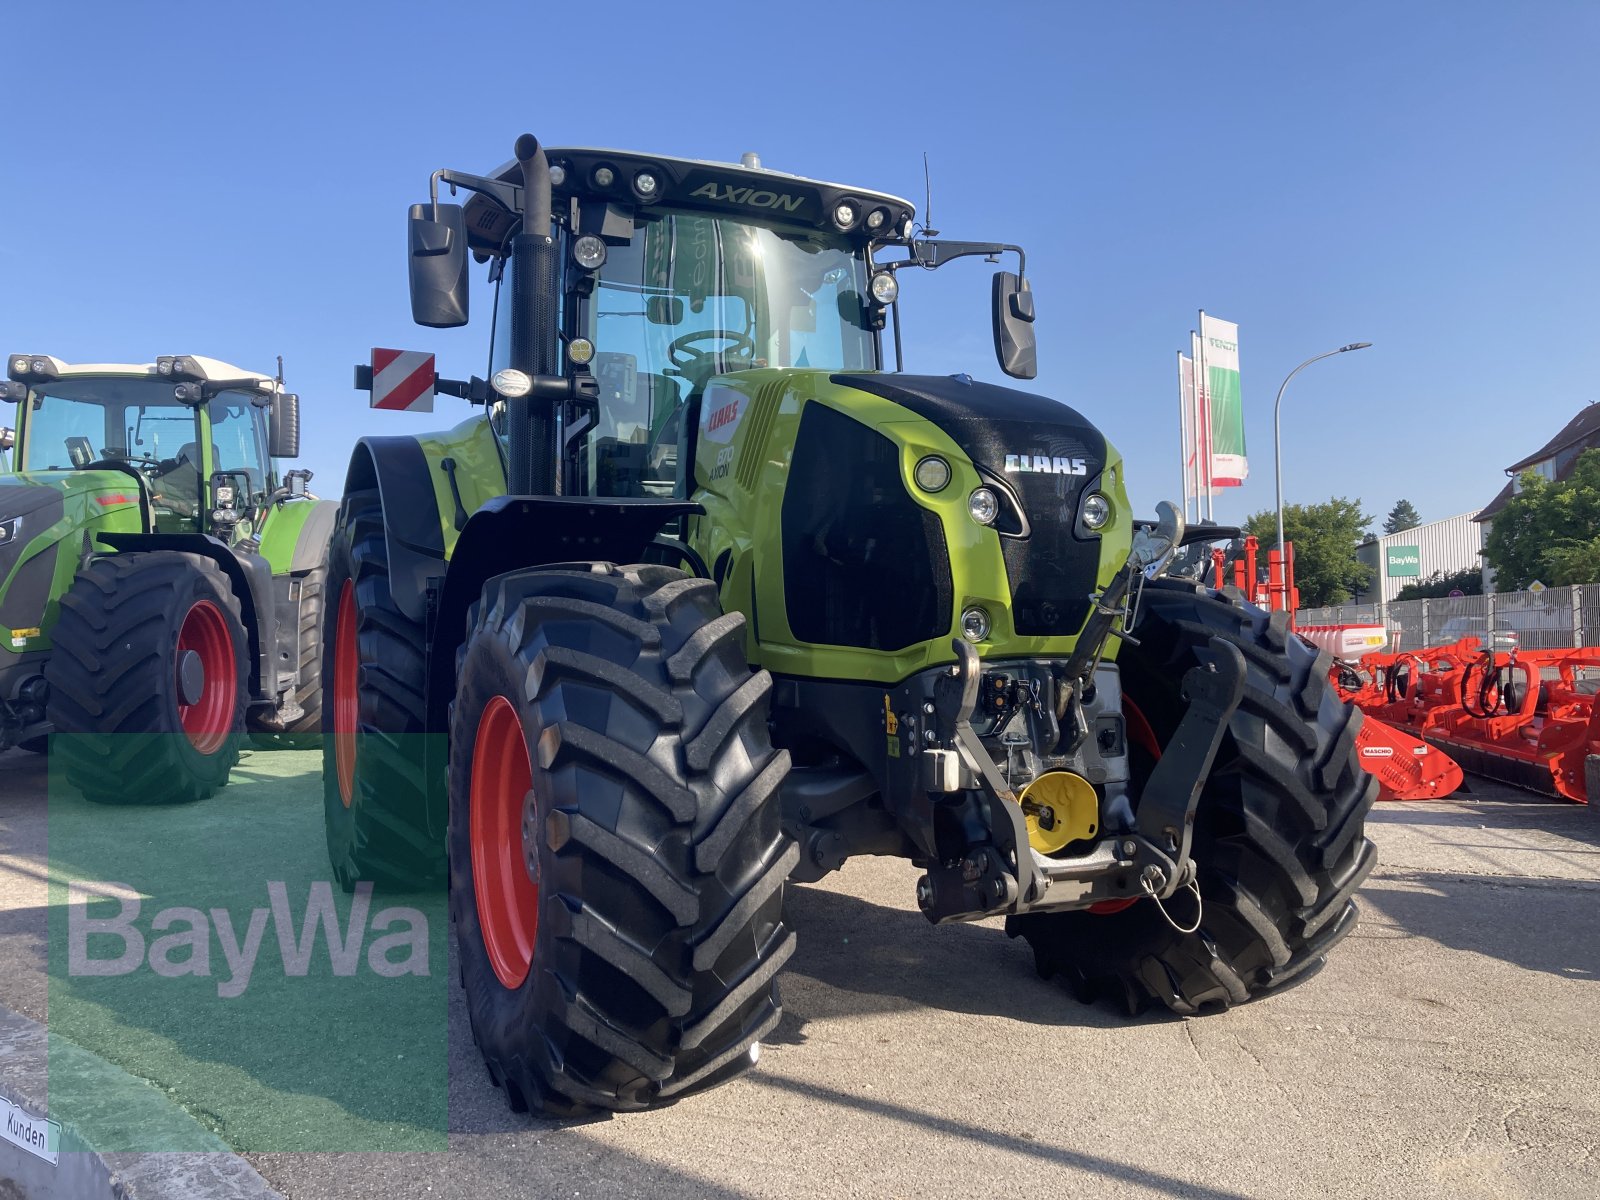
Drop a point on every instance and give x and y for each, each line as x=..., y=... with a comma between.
x=668, y=274
x=192, y=438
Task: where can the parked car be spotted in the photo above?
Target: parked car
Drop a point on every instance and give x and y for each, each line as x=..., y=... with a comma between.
x=1457, y=628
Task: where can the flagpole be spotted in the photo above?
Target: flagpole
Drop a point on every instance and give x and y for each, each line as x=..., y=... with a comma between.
x=1202, y=395
x=1183, y=437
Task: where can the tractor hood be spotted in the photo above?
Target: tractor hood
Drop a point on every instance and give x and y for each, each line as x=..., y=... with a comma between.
x=1048, y=456
x=29, y=491
x=20, y=496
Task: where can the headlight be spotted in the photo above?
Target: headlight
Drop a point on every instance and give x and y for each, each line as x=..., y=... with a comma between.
x=10, y=531
x=877, y=218
x=974, y=624
x=932, y=474
x=580, y=351
x=646, y=184
x=1096, y=511
x=604, y=177
x=589, y=252
x=844, y=214
x=984, y=506
x=885, y=287
x=558, y=175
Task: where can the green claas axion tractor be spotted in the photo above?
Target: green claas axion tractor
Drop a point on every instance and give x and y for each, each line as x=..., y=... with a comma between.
x=160, y=585
x=867, y=612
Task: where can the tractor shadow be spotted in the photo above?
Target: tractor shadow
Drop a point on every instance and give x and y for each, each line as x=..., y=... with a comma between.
x=859, y=958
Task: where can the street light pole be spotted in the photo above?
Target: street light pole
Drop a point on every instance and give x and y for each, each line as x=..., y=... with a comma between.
x=1277, y=429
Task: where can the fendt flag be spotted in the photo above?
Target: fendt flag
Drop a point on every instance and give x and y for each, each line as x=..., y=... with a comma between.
x=1219, y=343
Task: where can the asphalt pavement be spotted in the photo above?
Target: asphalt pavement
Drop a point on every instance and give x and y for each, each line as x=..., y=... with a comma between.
x=1448, y=1048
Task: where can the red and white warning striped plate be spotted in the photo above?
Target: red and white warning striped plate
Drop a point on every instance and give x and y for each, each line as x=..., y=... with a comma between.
x=402, y=380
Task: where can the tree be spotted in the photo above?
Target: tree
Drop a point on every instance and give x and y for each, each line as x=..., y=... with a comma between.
x=1326, y=568
x=1401, y=518
x=1549, y=531
x=1468, y=581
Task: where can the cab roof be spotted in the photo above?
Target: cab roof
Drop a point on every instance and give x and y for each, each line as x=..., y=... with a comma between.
x=210, y=369
x=692, y=183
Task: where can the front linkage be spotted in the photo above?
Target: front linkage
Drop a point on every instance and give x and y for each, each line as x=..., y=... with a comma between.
x=1150, y=856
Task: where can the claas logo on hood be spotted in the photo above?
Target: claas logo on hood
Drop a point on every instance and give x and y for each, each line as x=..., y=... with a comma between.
x=1047, y=464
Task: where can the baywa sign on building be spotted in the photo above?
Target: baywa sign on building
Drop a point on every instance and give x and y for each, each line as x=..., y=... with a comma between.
x=1402, y=560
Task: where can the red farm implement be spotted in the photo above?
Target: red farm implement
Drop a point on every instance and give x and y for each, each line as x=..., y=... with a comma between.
x=1524, y=717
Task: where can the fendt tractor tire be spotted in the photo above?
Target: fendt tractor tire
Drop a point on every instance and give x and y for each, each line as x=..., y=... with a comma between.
x=374, y=659
x=306, y=732
x=134, y=631
x=1279, y=838
x=607, y=725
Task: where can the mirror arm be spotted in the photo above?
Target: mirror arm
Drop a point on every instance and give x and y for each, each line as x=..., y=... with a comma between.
x=507, y=195
x=933, y=254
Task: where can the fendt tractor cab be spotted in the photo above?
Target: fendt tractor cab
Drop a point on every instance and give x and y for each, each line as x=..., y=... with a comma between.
x=160, y=583
x=869, y=613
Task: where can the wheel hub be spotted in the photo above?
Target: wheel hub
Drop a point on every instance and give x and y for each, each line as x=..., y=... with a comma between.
x=191, y=677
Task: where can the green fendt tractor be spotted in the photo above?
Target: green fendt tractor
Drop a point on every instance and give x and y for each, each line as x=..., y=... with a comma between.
x=868, y=613
x=160, y=585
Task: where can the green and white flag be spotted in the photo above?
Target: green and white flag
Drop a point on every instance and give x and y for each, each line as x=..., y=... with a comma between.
x=1221, y=401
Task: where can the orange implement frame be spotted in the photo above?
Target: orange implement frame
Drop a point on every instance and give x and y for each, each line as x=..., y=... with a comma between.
x=1524, y=717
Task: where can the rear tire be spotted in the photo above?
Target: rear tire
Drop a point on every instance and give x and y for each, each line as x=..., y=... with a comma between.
x=305, y=733
x=124, y=733
x=1279, y=837
x=607, y=725
x=373, y=789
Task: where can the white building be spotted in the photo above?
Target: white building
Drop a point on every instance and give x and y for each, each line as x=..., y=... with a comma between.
x=1446, y=546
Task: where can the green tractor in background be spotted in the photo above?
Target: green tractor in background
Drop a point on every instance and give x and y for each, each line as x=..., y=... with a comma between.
x=160, y=584
x=867, y=612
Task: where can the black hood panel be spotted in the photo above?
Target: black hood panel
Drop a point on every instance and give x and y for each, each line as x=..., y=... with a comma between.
x=1059, y=452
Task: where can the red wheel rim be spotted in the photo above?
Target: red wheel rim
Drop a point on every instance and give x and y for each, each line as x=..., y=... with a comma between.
x=346, y=665
x=508, y=900
x=209, y=720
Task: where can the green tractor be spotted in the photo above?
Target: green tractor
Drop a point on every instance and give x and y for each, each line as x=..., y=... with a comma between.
x=867, y=612
x=160, y=584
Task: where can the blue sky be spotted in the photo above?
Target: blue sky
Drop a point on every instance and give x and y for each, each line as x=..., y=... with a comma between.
x=232, y=181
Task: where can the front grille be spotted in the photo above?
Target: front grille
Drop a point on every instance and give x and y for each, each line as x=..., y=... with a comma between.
x=863, y=563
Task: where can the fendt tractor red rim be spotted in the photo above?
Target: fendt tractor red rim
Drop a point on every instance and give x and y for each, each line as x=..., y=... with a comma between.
x=508, y=900
x=346, y=665
x=1139, y=730
x=209, y=720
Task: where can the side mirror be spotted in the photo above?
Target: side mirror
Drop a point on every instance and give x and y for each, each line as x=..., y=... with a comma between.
x=663, y=310
x=1014, y=343
x=283, y=426
x=8, y=437
x=438, y=265
x=14, y=392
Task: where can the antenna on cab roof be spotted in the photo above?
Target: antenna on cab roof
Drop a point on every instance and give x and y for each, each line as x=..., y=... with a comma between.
x=927, y=208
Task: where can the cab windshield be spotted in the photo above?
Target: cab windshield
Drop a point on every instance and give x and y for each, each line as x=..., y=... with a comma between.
x=695, y=295
x=74, y=423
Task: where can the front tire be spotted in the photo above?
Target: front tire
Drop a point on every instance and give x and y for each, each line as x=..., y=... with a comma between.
x=616, y=859
x=1279, y=839
x=147, y=680
x=373, y=786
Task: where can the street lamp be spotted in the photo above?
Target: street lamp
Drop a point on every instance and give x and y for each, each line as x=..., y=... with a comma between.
x=1277, y=431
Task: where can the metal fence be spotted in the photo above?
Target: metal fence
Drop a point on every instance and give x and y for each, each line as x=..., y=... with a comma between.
x=1553, y=619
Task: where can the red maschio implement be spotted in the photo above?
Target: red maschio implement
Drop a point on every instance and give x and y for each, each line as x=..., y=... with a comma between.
x=1406, y=768
x=1525, y=717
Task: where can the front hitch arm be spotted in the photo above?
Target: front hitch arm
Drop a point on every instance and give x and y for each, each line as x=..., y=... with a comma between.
x=1167, y=807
